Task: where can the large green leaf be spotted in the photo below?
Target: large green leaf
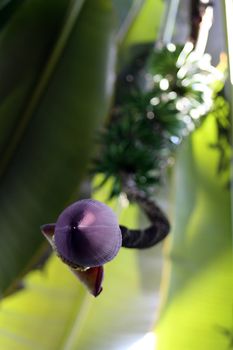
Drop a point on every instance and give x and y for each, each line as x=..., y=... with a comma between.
x=198, y=309
x=56, y=64
x=54, y=312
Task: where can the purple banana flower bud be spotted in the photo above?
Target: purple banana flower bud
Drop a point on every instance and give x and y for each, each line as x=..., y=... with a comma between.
x=86, y=236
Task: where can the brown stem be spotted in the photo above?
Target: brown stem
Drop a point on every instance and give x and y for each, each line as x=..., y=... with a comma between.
x=152, y=235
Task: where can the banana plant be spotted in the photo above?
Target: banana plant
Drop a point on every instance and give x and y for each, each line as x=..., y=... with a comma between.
x=53, y=302
x=53, y=100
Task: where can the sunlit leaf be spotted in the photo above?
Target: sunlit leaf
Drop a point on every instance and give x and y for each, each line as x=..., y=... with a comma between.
x=146, y=24
x=198, y=278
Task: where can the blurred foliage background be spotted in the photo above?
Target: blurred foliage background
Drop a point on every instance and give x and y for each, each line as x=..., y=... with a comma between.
x=58, y=66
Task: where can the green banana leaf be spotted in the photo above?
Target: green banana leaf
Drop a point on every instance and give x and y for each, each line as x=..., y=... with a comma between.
x=55, y=312
x=56, y=67
x=197, y=279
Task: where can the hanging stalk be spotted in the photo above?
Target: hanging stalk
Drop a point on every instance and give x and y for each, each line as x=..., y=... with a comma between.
x=160, y=225
x=201, y=20
x=201, y=14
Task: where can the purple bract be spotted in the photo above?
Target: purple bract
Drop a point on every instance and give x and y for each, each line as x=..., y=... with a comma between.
x=87, y=234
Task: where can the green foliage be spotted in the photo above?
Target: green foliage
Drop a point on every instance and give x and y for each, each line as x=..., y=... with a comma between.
x=197, y=285
x=52, y=311
x=55, y=58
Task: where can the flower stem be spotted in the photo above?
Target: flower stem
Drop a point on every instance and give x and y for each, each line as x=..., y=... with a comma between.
x=160, y=227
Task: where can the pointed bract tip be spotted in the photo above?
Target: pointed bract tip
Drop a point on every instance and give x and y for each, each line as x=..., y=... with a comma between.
x=92, y=279
x=48, y=232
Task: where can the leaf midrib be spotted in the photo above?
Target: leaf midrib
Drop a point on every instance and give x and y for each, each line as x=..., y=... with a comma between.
x=76, y=323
